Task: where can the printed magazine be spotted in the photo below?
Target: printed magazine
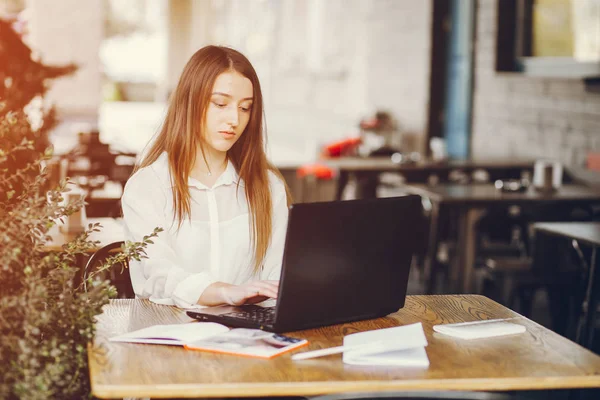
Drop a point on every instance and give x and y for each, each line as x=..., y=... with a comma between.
x=248, y=342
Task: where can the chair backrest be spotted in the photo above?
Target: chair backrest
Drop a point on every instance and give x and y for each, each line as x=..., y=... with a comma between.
x=419, y=395
x=118, y=274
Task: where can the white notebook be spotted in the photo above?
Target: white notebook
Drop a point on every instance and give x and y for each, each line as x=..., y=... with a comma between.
x=400, y=346
x=480, y=329
x=176, y=335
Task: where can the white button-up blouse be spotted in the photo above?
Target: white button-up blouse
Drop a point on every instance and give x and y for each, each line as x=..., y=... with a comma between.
x=213, y=246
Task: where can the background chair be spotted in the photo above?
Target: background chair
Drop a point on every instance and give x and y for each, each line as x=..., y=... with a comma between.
x=514, y=279
x=118, y=275
x=425, y=395
x=502, y=232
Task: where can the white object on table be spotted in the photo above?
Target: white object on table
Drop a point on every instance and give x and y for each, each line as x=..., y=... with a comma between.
x=400, y=346
x=480, y=329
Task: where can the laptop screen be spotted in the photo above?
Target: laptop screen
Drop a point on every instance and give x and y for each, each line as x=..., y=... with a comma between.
x=347, y=260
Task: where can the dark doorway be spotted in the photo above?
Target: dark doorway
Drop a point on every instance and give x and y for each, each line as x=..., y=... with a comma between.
x=452, y=75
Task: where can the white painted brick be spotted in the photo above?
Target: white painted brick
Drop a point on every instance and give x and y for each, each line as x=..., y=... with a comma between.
x=591, y=126
x=535, y=117
x=70, y=31
x=555, y=119
x=573, y=104
x=595, y=142
x=592, y=104
x=565, y=87
x=576, y=140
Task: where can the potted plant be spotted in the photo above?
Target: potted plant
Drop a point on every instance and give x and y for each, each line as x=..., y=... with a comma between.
x=46, y=317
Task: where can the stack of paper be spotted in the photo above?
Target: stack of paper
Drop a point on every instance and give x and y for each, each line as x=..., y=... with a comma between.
x=480, y=329
x=399, y=346
x=177, y=334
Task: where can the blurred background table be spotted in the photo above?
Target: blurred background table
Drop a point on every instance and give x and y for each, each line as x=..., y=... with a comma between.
x=112, y=230
x=424, y=171
x=583, y=234
x=468, y=201
x=368, y=170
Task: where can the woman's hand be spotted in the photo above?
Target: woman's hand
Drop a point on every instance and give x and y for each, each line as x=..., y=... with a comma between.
x=248, y=293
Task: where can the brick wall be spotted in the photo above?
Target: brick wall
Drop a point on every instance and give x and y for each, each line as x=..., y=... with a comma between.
x=320, y=78
x=525, y=116
x=70, y=31
x=399, y=54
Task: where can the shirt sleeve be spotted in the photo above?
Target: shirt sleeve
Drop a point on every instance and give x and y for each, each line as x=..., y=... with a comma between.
x=274, y=256
x=159, y=277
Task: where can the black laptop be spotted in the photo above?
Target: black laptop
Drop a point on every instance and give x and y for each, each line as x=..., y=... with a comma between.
x=343, y=261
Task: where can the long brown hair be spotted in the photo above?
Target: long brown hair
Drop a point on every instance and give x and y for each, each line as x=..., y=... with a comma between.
x=181, y=136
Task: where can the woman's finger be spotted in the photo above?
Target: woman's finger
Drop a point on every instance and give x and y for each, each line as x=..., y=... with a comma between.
x=271, y=284
x=257, y=290
x=260, y=285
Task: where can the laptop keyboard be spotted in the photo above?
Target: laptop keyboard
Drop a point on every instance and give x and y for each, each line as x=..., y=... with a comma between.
x=258, y=314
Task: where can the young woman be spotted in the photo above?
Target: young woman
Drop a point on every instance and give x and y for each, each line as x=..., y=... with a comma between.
x=207, y=182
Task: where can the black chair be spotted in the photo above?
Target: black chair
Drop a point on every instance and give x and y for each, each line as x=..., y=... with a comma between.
x=502, y=232
x=514, y=279
x=420, y=395
x=118, y=275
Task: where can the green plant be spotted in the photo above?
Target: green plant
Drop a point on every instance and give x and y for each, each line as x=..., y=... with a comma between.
x=46, y=317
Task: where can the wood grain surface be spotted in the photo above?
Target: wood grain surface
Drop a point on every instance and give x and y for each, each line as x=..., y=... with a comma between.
x=537, y=359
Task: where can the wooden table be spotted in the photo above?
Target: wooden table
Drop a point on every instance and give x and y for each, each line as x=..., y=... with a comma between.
x=537, y=359
x=385, y=164
x=369, y=168
x=422, y=171
x=470, y=201
x=587, y=233
x=112, y=231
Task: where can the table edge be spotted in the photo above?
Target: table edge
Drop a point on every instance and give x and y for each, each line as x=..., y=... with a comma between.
x=313, y=388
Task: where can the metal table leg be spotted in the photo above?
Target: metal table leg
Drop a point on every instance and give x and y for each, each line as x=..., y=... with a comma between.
x=585, y=330
x=464, y=262
x=431, y=266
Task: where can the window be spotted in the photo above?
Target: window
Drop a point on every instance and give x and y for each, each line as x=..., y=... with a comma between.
x=555, y=38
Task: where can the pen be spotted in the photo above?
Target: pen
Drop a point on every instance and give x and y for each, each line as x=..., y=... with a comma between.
x=484, y=321
x=332, y=350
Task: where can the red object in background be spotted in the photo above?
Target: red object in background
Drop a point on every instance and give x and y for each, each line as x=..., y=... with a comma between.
x=341, y=147
x=371, y=123
x=320, y=171
x=593, y=161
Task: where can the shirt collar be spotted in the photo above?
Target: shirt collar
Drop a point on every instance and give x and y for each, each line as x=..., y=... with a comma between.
x=229, y=176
